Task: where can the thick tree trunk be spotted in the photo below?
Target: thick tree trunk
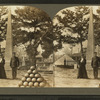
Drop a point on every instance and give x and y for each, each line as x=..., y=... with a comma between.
x=33, y=53
x=81, y=47
x=33, y=58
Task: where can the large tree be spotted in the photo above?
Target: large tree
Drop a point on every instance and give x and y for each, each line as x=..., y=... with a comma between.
x=3, y=23
x=74, y=23
x=97, y=27
x=32, y=26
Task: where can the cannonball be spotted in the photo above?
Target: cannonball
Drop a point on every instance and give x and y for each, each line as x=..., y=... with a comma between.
x=27, y=86
x=31, y=75
x=23, y=79
x=32, y=67
x=34, y=71
x=22, y=86
x=29, y=71
x=37, y=75
x=20, y=83
x=36, y=84
x=39, y=79
x=26, y=75
x=42, y=84
x=25, y=83
x=28, y=79
x=30, y=83
x=33, y=79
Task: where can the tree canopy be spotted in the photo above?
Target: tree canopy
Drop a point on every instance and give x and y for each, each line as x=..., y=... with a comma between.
x=3, y=23
x=32, y=26
x=74, y=25
x=97, y=27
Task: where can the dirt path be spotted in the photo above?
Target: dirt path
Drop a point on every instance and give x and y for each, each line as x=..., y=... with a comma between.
x=68, y=78
x=9, y=82
x=63, y=78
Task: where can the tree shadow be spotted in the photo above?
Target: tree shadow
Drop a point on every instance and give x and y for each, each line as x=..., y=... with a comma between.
x=94, y=78
x=12, y=79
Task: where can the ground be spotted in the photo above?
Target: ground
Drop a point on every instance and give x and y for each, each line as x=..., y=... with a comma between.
x=62, y=77
x=68, y=78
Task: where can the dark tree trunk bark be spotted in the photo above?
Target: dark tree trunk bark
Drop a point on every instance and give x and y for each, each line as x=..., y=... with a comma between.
x=81, y=47
x=33, y=52
x=33, y=58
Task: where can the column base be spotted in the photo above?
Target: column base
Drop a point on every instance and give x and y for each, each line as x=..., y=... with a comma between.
x=7, y=66
x=88, y=65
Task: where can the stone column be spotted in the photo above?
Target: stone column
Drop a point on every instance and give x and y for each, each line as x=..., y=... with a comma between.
x=98, y=50
x=90, y=45
x=23, y=60
x=9, y=46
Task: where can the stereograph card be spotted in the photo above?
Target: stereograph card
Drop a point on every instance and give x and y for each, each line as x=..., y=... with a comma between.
x=49, y=49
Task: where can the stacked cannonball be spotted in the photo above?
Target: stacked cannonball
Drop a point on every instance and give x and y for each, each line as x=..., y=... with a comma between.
x=32, y=79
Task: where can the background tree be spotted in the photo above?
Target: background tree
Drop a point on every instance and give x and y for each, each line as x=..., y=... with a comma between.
x=30, y=27
x=3, y=23
x=97, y=27
x=57, y=37
x=74, y=22
x=47, y=43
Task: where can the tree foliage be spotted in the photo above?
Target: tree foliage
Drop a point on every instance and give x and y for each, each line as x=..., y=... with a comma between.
x=97, y=27
x=76, y=23
x=3, y=23
x=30, y=27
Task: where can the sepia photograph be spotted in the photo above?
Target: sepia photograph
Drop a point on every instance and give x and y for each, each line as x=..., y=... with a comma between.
x=38, y=51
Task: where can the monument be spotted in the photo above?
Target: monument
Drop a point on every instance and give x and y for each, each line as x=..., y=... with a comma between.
x=8, y=49
x=90, y=46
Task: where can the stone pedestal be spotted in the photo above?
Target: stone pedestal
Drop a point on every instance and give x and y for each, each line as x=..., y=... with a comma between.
x=23, y=61
x=75, y=66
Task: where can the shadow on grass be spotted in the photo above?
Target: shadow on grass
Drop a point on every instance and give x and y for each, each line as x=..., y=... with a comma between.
x=12, y=79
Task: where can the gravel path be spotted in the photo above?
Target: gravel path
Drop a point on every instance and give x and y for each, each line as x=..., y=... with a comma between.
x=68, y=78
x=9, y=82
x=63, y=77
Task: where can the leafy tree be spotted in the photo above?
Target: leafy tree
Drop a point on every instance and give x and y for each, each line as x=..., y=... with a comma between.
x=30, y=27
x=3, y=23
x=47, y=43
x=57, y=37
x=97, y=27
x=76, y=23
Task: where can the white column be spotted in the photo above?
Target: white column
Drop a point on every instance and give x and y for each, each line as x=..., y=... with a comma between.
x=90, y=46
x=9, y=45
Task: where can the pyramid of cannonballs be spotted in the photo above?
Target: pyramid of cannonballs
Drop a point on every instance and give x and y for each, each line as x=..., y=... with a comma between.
x=32, y=79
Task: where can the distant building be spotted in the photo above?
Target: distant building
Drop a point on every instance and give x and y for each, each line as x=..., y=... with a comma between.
x=44, y=64
x=76, y=56
x=98, y=50
x=2, y=51
x=65, y=60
